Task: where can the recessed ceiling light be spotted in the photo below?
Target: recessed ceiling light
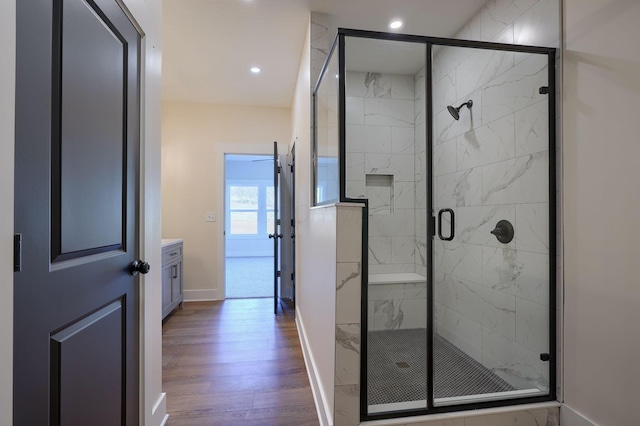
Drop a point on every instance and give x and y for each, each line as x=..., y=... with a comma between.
x=395, y=24
x=255, y=70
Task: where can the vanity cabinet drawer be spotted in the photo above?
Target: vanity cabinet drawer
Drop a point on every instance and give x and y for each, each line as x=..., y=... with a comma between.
x=171, y=253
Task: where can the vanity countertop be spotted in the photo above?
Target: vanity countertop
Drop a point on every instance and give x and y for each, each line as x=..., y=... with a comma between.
x=169, y=241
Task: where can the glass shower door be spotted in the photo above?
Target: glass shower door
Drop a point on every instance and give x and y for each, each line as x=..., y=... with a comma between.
x=490, y=168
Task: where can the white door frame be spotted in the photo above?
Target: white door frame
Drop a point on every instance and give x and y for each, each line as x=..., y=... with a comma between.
x=7, y=121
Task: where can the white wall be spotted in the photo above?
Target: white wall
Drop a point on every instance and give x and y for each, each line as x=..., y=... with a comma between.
x=315, y=253
x=601, y=210
x=148, y=14
x=7, y=110
x=194, y=137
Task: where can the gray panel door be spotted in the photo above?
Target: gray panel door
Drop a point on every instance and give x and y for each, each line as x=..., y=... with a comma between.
x=76, y=313
x=292, y=206
x=286, y=228
x=276, y=226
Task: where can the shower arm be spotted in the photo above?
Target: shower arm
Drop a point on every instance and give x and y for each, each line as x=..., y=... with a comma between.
x=469, y=104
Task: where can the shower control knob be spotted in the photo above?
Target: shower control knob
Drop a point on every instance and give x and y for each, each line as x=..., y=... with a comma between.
x=545, y=357
x=503, y=231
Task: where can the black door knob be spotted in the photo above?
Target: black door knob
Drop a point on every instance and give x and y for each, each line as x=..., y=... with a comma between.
x=139, y=266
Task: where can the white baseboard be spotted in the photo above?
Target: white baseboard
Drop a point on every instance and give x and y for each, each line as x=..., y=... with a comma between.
x=200, y=295
x=569, y=417
x=322, y=407
x=159, y=414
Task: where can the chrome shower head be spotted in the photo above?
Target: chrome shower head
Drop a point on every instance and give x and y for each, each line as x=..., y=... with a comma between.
x=455, y=112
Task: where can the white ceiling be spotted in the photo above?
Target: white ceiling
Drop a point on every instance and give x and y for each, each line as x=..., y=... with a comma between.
x=210, y=45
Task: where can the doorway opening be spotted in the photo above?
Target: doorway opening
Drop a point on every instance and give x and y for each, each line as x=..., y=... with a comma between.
x=249, y=217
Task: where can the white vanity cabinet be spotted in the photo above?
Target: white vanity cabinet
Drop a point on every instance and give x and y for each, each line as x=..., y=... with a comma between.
x=171, y=275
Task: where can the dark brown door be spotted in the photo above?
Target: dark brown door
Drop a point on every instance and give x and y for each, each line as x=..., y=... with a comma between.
x=76, y=207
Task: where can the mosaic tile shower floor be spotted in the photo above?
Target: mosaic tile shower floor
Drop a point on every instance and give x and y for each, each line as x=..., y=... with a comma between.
x=397, y=369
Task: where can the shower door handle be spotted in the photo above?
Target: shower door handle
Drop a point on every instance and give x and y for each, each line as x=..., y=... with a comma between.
x=453, y=224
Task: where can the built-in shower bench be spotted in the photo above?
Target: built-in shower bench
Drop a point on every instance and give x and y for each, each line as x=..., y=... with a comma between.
x=397, y=301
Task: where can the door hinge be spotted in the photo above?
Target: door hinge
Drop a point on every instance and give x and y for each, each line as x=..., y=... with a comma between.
x=277, y=274
x=279, y=169
x=17, y=253
x=292, y=276
x=278, y=222
x=292, y=168
x=544, y=90
x=293, y=223
x=432, y=231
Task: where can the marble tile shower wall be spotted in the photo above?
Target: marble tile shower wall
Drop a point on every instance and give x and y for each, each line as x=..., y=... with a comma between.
x=491, y=299
x=348, y=329
x=380, y=119
x=420, y=158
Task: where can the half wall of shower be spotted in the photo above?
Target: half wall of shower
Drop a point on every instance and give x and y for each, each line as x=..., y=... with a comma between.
x=458, y=300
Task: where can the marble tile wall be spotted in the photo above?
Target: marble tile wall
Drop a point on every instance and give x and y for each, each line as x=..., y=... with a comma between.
x=348, y=297
x=492, y=298
x=321, y=36
x=380, y=164
x=420, y=161
x=397, y=306
x=531, y=417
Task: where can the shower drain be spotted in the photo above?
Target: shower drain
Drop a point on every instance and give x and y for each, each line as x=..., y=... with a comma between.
x=402, y=364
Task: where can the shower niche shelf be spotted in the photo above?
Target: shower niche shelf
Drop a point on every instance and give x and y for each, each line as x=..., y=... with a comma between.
x=379, y=191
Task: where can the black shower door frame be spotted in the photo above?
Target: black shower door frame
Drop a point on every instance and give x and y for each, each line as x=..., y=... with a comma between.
x=429, y=43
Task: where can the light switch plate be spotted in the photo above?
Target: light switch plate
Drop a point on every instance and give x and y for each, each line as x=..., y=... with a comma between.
x=210, y=217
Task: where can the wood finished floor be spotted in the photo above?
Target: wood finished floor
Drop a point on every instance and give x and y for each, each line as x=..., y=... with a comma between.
x=235, y=363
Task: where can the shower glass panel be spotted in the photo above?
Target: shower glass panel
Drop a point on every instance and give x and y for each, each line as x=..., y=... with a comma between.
x=385, y=146
x=326, y=137
x=490, y=171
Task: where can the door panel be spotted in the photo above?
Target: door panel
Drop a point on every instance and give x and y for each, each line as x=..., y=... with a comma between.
x=89, y=351
x=92, y=94
x=491, y=256
x=77, y=138
x=176, y=281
